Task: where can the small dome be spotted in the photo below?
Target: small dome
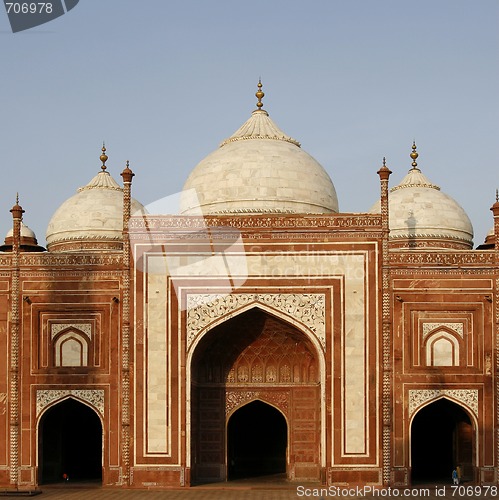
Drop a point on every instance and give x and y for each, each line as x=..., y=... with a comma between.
x=26, y=232
x=490, y=241
x=420, y=215
x=29, y=242
x=259, y=169
x=92, y=219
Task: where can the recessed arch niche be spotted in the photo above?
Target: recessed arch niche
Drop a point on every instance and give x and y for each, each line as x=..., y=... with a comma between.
x=254, y=355
x=70, y=438
x=442, y=437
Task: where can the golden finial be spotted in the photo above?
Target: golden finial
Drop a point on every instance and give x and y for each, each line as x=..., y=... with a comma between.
x=17, y=198
x=497, y=195
x=103, y=157
x=259, y=94
x=414, y=155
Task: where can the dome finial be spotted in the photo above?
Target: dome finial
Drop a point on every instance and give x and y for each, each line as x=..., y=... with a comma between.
x=414, y=155
x=497, y=195
x=103, y=157
x=259, y=94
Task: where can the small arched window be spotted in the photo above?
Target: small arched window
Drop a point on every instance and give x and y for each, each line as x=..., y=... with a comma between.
x=442, y=349
x=71, y=349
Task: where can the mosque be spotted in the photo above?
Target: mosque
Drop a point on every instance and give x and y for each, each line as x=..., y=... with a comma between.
x=255, y=331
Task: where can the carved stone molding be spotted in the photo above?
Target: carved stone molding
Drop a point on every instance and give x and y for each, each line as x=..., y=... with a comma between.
x=306, y=308
x=149, y=224
x=45, y=259
x=234, y=399
x=442, y=258
x=431, y=326
x=45, y=397
x=418, y=397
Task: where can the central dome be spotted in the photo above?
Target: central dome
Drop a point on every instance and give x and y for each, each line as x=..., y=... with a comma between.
x=259, y=169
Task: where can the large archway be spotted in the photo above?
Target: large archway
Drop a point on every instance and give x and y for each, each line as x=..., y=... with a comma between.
x=441, y=439
x=252, y=356
x=69, y=443
x=257, y=438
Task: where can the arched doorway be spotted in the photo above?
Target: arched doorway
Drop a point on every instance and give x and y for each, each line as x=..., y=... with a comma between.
x=254, y=356
x=69, y=442
x=257, y=438
x=441, y=439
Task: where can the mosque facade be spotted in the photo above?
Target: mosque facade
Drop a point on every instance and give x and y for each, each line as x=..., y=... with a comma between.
x=258, y=330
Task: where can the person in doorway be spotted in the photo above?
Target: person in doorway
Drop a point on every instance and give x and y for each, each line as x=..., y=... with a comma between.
x=455, y=479
x=459, y=473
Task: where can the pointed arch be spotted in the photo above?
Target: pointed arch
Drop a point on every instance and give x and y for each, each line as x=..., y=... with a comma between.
x=443, y=347
x=70, y=436
x=303, y=328
x=94, y=398
x=443, y=434
x=224, y=375
x=257, y=436
x=70, y=395
x=466, y=408
x=70, y=347
x=213, y=310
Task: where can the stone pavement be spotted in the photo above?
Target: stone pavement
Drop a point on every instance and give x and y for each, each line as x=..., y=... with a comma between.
x=267, y=490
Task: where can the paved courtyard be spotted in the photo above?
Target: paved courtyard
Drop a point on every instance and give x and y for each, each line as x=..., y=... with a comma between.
x=267, y=490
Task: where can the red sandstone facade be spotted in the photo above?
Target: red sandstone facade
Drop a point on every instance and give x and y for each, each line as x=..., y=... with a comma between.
x=345, y=346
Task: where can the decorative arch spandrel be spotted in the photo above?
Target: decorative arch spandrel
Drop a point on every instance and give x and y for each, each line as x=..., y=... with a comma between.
x=48, y=397
x=306, y=311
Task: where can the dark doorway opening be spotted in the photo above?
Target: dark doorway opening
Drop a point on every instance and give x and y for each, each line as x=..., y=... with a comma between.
x=70, y=443
x=256, y=441
x=441, y=439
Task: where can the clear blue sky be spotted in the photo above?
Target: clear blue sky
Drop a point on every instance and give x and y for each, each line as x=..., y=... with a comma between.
x=163, y=83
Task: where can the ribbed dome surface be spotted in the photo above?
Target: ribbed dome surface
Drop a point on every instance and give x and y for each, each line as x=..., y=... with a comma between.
x=259, y=169
x=92, y=219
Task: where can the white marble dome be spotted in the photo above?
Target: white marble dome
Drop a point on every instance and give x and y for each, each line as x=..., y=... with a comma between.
x=421, y=215
x=28, y=242
x=92, y=219
x=26, y=232
x=259, y=169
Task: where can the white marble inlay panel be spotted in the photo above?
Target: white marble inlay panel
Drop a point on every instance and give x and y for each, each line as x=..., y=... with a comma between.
x=351, y=267
x=156, y=362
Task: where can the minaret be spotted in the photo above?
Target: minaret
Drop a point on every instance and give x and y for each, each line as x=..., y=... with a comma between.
x=127, y=175
x=495, y=211
x=14, y=337
x=386, y=319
